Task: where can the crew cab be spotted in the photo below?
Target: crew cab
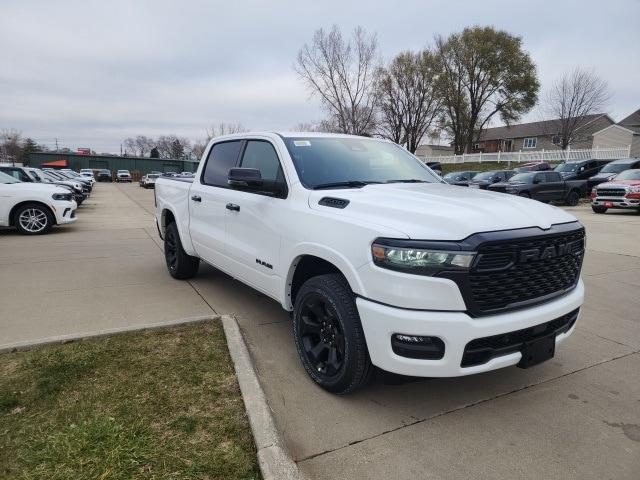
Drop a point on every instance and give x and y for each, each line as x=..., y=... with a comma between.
x=543, y=186
x=380, y=262
x=623, y=191
x=580, y=169
x=34, y=208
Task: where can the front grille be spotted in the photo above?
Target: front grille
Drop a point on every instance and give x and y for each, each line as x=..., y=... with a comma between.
x=481, y=350
x=611, y=192
x=514, y=273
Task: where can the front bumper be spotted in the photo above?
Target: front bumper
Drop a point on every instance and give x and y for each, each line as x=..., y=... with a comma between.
x=65, y=212
x=616, y=202
x=455, y=329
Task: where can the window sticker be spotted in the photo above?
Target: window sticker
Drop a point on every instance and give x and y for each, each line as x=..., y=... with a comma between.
x=302, y=143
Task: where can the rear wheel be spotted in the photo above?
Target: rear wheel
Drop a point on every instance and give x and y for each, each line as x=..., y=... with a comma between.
x=573, y=198
x=329, y=335
x=598, y=209
x=180, y=265
x=33, y=219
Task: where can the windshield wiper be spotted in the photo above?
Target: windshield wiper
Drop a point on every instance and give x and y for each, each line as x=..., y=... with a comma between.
x=348, y=184
x=407, y=180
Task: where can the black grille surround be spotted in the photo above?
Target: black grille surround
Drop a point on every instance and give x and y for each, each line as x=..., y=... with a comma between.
x=481, y=350
x=519, y=268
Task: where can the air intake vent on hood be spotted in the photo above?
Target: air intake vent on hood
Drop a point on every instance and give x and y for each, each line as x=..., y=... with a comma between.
x=333, y=202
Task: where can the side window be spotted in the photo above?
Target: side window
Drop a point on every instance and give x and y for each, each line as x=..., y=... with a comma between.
x=222, y=158
x=553, y=176
x=539, y=178
x=261, y=155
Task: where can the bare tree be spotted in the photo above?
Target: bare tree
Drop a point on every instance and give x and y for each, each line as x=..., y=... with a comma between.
x=225, y=128
x=342, y=74
x=139, y=146
x=197, y=150
x=409, y=101
x=172, y=146
x=11, y=144
x=572, y=98
x=485, y=73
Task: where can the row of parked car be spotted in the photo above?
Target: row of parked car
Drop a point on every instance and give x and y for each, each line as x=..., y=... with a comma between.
x=149, y=180
x=33, y=200
x=612, y=184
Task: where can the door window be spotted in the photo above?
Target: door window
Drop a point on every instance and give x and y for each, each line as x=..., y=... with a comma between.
x=262, y=155
x=222, y=157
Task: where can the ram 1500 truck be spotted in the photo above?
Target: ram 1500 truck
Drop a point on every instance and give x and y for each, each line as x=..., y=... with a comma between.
x=379, y=261
x=544, y=186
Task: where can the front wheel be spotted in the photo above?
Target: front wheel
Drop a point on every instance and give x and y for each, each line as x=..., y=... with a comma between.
x=598, y=209
x=180, y=265
x=573, y=198
x=329, y=335
x=33, y=219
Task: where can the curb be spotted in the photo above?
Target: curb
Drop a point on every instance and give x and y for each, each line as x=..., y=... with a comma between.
x=9, y=347
x=274, y=460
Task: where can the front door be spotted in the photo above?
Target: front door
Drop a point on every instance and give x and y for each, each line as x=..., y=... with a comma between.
x=254, y=222
x=207, y=203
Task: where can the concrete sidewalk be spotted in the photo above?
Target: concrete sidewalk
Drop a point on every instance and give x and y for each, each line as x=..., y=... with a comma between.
x=576, y=416
x=103, y=272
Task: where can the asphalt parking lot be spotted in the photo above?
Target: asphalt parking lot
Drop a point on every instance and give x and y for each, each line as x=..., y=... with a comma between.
x=576, y=416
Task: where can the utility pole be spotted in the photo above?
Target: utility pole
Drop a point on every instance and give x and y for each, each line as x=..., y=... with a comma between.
x=56, y=145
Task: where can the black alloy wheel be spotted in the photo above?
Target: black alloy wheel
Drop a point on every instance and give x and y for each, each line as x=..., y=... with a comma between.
x=322, y=336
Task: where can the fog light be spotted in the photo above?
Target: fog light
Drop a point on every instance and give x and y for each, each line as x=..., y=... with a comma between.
x=416, y=346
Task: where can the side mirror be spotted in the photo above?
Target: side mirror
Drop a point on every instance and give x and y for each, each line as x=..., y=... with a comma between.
x=495, y=179
x=537, y=180
x=245, y=178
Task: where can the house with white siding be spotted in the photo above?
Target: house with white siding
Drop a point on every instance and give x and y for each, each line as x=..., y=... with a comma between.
x=625, y=133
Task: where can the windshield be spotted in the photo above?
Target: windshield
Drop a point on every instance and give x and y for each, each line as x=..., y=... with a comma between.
x=615, y=167
x=523, y=177
x=566, y=167
x=153, y=175
x=629, y=175
x=4, y=178
x=358, y=161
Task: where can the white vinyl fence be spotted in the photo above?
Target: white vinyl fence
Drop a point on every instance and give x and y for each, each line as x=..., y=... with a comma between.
x=536, y=156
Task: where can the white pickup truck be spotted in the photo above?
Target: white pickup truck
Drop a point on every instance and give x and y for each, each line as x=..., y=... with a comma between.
x=380, y=262
x=33, y=208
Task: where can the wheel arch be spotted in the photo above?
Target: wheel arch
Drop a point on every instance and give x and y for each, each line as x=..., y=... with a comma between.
x=308, y=265
x=12, y=213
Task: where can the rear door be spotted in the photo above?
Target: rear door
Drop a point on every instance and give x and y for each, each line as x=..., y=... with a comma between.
x=555, y=186
x=208, y=197
x=254, y=223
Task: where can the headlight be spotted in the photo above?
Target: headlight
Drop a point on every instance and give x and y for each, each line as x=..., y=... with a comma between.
x=62, y=196
x=417, y=260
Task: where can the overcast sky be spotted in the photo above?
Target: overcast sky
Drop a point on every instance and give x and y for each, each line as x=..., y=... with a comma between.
x=91, y=73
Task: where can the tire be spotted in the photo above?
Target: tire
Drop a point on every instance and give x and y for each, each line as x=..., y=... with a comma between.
x=329, y=335
x=180, y=265
x=598, y=209
x=573, y=198
x=524, y=195
x=33, y=219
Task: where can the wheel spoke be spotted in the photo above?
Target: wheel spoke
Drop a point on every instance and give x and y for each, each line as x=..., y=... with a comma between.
x=310, y=325
x=333, y=358
x=317, y=351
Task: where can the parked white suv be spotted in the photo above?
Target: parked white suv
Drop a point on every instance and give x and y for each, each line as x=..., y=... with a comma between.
x=378, y=259
x=33, y=208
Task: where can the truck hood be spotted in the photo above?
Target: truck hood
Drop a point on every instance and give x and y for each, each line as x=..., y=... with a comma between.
x=438, y=211
x=603, y=176
x=620, y=183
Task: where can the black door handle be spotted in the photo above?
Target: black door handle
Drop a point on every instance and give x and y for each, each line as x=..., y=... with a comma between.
x=196, y=198
x=233, y=207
